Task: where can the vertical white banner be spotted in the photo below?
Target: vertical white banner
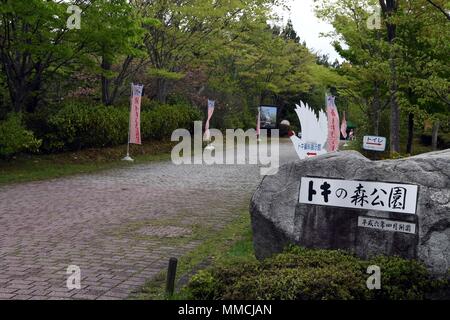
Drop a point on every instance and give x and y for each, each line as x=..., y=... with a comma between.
x=135, y=114
x=258, y=123
x=333, y=125
x=211, y=105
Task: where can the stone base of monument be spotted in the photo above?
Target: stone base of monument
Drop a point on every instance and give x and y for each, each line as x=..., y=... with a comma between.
x=280, y=217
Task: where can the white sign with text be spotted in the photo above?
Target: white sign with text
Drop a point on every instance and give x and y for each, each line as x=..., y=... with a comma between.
x=374, y=143
x=314, y=132
x=365, y=195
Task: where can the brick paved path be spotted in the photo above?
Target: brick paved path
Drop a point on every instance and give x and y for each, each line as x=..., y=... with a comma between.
x=119, y=226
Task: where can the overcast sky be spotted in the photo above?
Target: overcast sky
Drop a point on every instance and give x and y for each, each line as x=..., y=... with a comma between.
x=308, y=27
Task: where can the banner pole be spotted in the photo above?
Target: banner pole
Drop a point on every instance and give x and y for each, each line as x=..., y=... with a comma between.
x=211, y=104
x=127, y=157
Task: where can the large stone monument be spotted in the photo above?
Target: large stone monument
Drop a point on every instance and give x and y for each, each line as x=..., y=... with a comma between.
x=343, y=200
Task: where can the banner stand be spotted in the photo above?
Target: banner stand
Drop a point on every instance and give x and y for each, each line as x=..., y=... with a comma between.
x=136, y=91
x=206, y=136
x=258, y=126
x=127, y=157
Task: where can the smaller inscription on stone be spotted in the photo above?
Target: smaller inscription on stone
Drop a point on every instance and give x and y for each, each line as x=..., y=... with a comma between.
x=386, y=225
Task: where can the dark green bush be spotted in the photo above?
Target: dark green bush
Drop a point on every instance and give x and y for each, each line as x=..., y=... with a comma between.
x=79, y=125
x=160, y=121
x=15, y=138
x=239, y=120
x=443, y=141
x=305, y=274
x=404, y=279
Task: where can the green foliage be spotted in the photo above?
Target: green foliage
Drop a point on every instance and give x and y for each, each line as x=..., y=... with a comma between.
x=416, y=61
x=79, y=125
x=165, y=74
x=242, y=120
x=14, y=137
x=443, y=141
x=160, y=121
x=403, y=280
x=307, y=274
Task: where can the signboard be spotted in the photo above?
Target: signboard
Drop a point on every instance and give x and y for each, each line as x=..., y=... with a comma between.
x=366, y=195
x=374, y=143
x=268, y=117
x=386, y=225
x=314, y=132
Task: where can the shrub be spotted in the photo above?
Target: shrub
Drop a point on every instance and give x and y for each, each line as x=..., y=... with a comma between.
x=306, y=274
x=443, y=141
x=239, y=120
x=160, y=121
x=80, y=125
x=404, y=279
x=14, y=138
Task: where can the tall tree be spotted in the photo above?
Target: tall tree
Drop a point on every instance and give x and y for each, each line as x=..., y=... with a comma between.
x=34, y=45
x=115, y=33
x=389, y=9
x=189, y=31
x=410, y=64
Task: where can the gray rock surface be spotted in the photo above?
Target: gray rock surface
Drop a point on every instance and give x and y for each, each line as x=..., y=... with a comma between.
x=278, y=219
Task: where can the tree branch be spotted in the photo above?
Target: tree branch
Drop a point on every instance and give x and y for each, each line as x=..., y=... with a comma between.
x=446, y=14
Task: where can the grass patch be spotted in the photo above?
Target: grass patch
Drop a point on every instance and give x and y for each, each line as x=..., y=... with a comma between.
x=188, y=232
x=26, y=168
x=230, y=245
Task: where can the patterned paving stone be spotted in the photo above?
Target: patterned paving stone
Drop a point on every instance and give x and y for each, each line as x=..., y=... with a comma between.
x=119, y=226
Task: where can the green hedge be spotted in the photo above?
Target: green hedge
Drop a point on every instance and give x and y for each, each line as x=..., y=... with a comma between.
x=305, y=274
x=443, y=140
x=78, y=125
x=15, y=138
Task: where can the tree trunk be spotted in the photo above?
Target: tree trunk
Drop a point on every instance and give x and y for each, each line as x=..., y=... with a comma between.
x=434, y=137
x=106, y=82
x=17, y=99
x=119, y=80
x=395, y=111
x=161, y=87
x=389, y=8
x=35, y=91
x=376, y=110
x=18, y=95
x=409, y=145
